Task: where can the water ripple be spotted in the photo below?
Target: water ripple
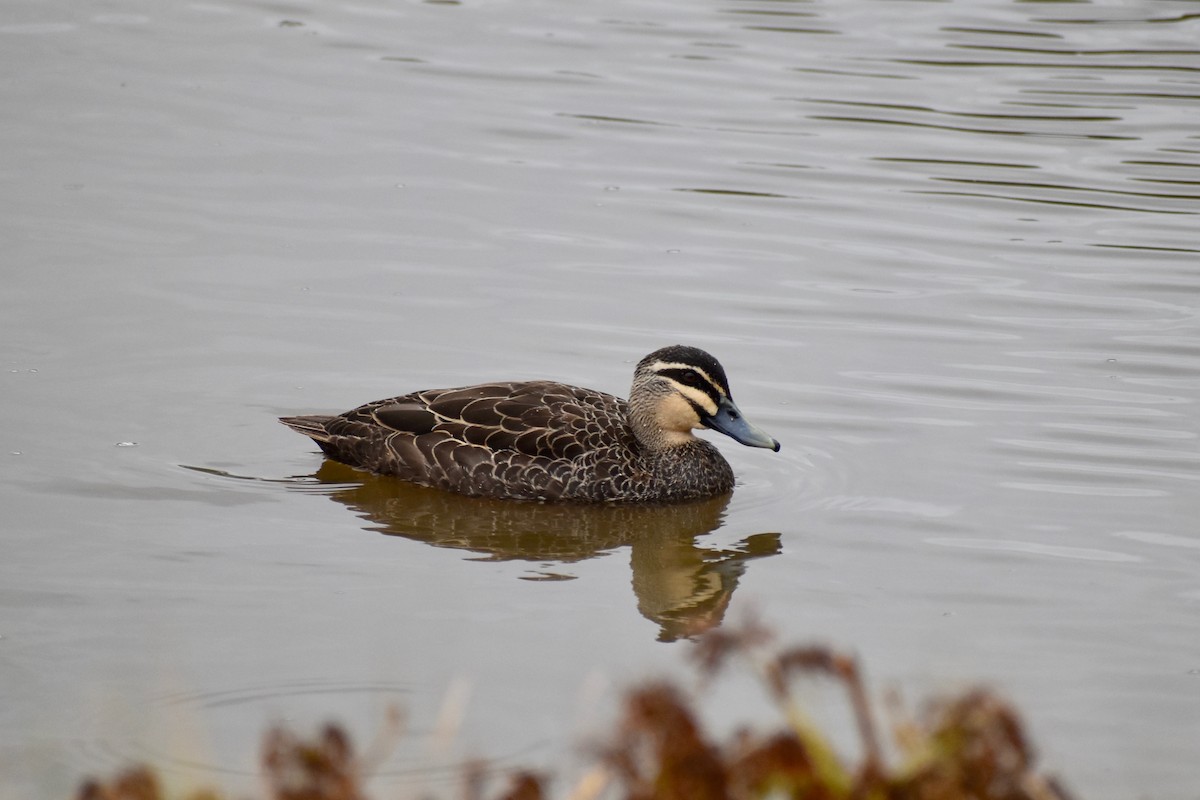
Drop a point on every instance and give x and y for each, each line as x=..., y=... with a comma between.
x=1035, y=549
x=978, y=393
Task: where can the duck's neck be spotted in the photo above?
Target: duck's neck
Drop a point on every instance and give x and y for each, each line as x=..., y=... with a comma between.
x=656, y=427
x=661, y=419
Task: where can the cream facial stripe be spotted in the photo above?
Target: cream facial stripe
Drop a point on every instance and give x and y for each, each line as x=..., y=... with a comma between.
x=704, y=397
x=698, y=399
x=671, y=366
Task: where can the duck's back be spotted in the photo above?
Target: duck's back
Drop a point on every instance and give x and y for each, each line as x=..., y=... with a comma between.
x=525, y=440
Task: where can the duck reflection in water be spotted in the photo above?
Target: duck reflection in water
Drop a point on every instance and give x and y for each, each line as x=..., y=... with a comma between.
x=683, y=588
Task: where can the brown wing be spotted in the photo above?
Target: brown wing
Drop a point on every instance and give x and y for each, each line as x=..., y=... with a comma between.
x=535, y=418
x=533, y=439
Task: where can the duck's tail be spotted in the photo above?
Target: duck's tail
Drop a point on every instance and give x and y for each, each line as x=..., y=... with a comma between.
x=311, y=425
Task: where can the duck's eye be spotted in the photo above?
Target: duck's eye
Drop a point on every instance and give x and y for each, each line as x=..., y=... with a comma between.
x=690, y=377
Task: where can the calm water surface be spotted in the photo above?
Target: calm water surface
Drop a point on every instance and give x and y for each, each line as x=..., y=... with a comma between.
x=949, y=254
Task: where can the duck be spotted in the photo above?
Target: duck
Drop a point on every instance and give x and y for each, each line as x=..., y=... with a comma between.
x=547, y=441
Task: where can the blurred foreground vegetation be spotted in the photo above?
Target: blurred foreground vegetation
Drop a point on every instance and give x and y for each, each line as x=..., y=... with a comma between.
x=972, y=746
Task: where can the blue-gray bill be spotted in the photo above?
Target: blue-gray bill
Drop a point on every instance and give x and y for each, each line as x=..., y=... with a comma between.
x=729, y=421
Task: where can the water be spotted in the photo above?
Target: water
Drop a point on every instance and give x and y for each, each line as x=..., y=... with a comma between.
x=947, y=253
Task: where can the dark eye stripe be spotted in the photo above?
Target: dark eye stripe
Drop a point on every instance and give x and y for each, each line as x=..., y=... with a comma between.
x=702, y=384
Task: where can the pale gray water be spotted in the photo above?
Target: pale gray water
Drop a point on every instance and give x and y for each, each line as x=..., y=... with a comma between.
x=947, y=252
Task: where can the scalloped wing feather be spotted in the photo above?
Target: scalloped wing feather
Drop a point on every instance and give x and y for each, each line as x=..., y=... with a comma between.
x=529, y=439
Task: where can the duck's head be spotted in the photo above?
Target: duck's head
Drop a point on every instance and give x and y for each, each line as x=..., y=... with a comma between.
x=678, y=389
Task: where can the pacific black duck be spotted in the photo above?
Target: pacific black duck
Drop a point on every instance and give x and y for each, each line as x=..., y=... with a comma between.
x=542, y=440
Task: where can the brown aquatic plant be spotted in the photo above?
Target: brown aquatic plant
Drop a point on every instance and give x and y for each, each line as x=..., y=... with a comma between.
x=322, y=769
x=972, y=746
x=661, y=752
x=136, y=783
